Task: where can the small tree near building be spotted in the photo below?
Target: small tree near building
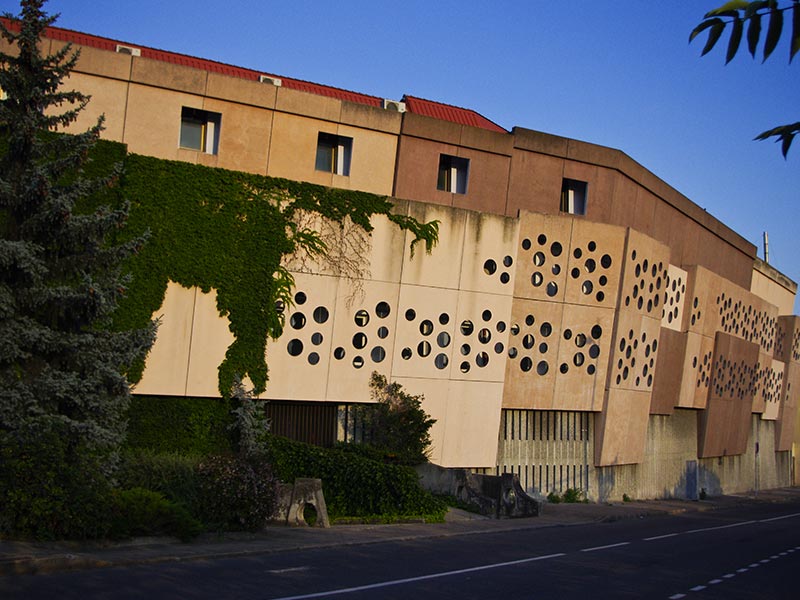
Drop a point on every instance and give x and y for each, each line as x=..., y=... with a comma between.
x=63, y=388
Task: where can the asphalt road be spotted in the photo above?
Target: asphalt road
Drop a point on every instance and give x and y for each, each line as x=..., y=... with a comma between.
x=744, y=552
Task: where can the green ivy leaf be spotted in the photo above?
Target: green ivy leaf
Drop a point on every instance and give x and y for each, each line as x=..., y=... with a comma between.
x=773, y=31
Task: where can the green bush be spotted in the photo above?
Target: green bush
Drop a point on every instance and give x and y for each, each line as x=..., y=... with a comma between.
x=172, y=474
x=355, y=486
x=570, y=496
x=139, y=512
x=236, y=492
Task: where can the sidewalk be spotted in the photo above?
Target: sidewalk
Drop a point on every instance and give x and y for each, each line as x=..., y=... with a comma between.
x=18, y=558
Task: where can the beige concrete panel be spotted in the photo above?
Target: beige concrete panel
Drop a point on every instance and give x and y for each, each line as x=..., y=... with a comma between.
x=535, y=183
x=769, y=386
x=583, y=357
x=533, y=352
x=101, y=63
x=644, y=275
x=210, y=340
x=388, y=242
x=293, y=150
x=302, y=358
x=371, y=163
x=669, y=372
x=153, y=122
x=425, y=321
x=243, y=137
x=745, y=315
x=109, y=98
x=309, y=105
x=473, y=422
x=480, y=338
x=168, y=76
x=595, y=262
x=773, y=286
x=634, y=352
x=371, y=117
x=543, y=256
x=672, y=309
x=787, y=339
x=487, y=182
x=490, y=250
x=698, y=361
x=365, y=331
x=621, y=429
x=167, y=362
x=786, y=427
x=701, y=315
x=442, y=267
x=241, y=91
x=723, y=427
x=734, y=369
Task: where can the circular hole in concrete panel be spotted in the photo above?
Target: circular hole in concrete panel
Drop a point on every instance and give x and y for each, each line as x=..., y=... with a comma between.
x=280, y=306
x=556, y=269
x=383, y=332
x=378, y=354
x=602, y=280
x=526, y=364
x=338, y=354
x=297, y=320
x=543, y=348
x=411, y=314
x=552, y=289
x=484, y=336
x=508, y=261
x=294, y=347
x=542, y=368
x=321, y=314
x=361, y=318
x=501, y=326
x=635, y=292
x=529, y=320
x=580, y=340
x=640, y=302
x=486, y=315
x=628, y=352
x=300, y=298
x=563, y=368
x=538, y=259
x=591, y=369
x=546, y=329
x=596, y=332
x=359, y=340
x=443, y=339
x=489, y=267
x=512, y=352
x=537, y=279
x=444, y=319
x=605, y=261
x=577, y=253
x=526, y=244
x=358, y=362
x=482, y=359
x=649, y=306
x=625, y=373
x=313, y=358
x=622, y=344
x=600, y=296
x=316, y=338
x=527, y=341
x=514, y=329
x=587, y=287
x=575, y=273
x=645, y=265
x=424, y=348
x=578, y=359
x=649, y=381
x=556, y=249
x=467, y=327
x=464, y=367
x=636, y=382
x=654, y=272
x=382, y=309
x=440, y=361
x=627, y=300
x=542, y=239
x=592, y=246
x=638, y=270
x=594, y=351
x=406, y=353
x=633, y=255
x=504, y=277
x=567, y=334
x=426, y=327
x=619, y=379
x=655, y=345
x=465, y=349
x=590, y=265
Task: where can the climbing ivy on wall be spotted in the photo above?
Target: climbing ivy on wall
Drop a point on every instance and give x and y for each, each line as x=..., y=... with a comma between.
x=227, y=230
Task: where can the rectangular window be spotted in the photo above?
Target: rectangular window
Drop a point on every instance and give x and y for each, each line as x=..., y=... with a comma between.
x=333, y=153
x=200, y=130
x=573, y=196
x=453, y=174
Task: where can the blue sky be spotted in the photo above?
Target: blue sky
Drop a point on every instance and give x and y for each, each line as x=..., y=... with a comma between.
x=619, y=73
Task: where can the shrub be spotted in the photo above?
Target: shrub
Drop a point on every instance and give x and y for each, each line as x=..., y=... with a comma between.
x=137, y=512
x=569, y=496
x=172, y=474
x=236, y=492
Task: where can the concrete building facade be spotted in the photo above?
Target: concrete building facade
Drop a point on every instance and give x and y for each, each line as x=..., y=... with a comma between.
x=581, y=323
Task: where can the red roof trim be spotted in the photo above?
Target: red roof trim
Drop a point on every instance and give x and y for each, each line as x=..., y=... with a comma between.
x=447, y=112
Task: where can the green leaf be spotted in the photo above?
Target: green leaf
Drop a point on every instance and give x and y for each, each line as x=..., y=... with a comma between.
x=753, y=33
x=736, y=38
x=753, y=7
x=773, y=31
x=729, y=7
x=703, y=26
x=795, y=45
x=713, y=36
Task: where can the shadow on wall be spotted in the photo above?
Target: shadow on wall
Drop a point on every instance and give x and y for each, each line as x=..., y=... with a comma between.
x=694, y=483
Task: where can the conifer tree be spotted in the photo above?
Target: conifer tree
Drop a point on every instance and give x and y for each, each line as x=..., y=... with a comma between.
x=63, y=389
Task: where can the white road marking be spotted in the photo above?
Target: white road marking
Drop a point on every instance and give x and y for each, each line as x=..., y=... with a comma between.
x=721, y=527
x=728, y=575
x=660, y=537
x=697, y=588
x=715, y=581
x=677, y=596
x=604, y=547
x=779, y=518
x=384, y=584
x=743, y=570
x=288, y=570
